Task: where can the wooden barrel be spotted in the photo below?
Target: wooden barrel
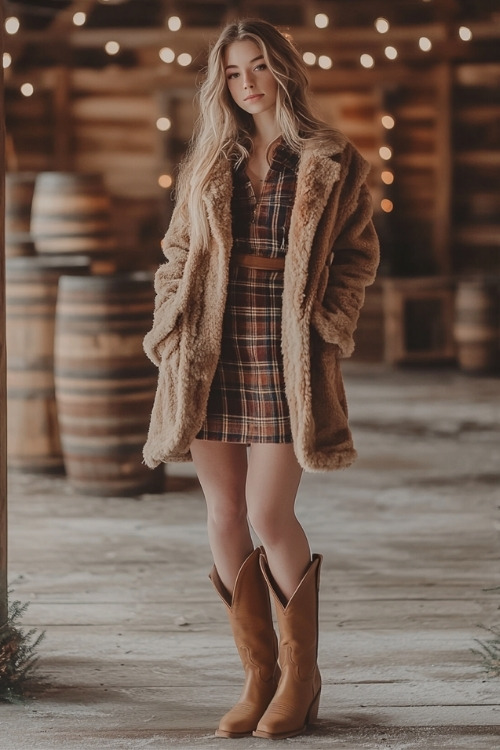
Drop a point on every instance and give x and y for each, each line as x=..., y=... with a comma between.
x=33, y=442
x=71, y=214
x=19, y=187
x=105, y=385
x=476, y=326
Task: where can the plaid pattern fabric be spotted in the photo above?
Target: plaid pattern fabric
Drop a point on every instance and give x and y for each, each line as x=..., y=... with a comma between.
x=247, y=402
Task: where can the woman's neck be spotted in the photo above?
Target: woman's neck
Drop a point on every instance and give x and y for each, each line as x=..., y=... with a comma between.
x=266, y=131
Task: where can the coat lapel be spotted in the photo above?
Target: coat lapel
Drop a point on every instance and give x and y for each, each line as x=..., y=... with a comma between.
x=217, y=199
x=317, y=174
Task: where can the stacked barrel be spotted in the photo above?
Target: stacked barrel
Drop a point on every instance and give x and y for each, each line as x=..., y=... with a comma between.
x=80, y=389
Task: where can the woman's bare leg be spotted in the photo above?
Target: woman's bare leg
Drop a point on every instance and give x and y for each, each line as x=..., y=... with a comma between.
x=222, y=470
x=273, y=479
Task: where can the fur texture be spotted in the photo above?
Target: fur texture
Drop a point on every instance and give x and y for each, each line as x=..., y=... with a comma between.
x=332, y=256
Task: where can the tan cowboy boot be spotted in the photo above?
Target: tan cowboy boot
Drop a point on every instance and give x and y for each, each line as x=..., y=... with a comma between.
x=249, y=611
x=296, y=701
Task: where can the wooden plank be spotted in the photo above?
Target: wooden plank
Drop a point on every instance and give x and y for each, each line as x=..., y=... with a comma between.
x=442, y=193
x=114, y=137
x=129, y=109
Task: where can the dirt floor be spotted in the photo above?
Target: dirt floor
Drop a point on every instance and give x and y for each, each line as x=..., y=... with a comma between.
x=138, y=653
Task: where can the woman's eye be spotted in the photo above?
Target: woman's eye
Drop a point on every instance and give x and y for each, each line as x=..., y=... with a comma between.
x=262, y=66
x=232, y=75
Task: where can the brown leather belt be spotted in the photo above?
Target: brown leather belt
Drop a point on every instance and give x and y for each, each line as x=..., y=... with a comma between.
x=258, y=262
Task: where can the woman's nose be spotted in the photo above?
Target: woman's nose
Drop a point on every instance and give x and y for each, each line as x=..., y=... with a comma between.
x=248, y=82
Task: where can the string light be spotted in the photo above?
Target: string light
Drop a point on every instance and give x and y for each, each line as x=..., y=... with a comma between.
x=184, y=59
x=27, y=89
x=167, y=54
x=387, y=177
x=309, y=58
x=388, y=122
x=165, y=181
x=382, y=25
x=391, y=53
x=79, y=18
x=386, y=205
x=12, y=25
x=174, y=23
x=112, y=48
x=325, y=62
x=385, y=152
x=425, y=44
x=465, y=33
x=367, y=61
x=321, y=20
x=163, y=123
x=7, y=60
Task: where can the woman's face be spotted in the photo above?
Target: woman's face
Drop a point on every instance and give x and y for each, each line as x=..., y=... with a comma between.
x=250, y=82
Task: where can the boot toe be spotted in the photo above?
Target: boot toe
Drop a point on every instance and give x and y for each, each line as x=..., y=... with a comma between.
x=240, y=721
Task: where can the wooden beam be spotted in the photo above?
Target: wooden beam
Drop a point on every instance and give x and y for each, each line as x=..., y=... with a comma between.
x=443, y=189
x=3, y=361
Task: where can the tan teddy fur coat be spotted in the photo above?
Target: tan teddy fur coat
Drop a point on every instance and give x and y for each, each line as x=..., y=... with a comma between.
x=332, y=255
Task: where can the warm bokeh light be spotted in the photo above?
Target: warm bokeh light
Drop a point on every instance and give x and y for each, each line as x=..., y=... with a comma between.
x=112, y=48
x=388, y=122
x=391, y=53
x=425, y=44
x=174, y=23
x=163, y=123
x=321, y=20
x=184, y=59
x=387, y=177
x=167, y=54
x=165, y=181
x=12, y=25
x=386, y=205
x=79, y=18
x=309, y=58
x=385, y=152
x=382, y=25
x=367, y=61
x=325, y=62
x=27, y=89
x=465, y=33
x=7, y=60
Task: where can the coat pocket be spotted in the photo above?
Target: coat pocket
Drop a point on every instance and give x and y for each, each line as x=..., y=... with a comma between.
x=167, y=320
x=333, y=327
x=328, y=395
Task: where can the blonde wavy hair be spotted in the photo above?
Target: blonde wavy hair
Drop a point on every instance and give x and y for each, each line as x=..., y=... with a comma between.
x=224, y=131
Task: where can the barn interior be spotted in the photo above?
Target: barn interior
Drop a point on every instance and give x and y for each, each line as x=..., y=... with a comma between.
x=98, y=106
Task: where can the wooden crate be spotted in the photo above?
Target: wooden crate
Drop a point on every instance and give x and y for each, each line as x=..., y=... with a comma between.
x=418, y=319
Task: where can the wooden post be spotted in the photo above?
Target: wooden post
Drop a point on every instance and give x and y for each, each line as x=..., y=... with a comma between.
x=3, y=360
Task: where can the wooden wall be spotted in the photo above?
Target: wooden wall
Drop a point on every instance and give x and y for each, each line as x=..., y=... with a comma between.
x=445, y=146
x=445, y=143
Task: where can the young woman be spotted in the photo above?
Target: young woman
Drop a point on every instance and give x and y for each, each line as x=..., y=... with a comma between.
x=268, y=253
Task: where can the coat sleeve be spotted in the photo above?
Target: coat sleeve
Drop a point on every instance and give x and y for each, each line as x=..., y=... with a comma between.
x=355, y=254
x=175, y=246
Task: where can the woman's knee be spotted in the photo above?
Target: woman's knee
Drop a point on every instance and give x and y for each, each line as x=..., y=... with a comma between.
x=270, y=525
x=227, y=517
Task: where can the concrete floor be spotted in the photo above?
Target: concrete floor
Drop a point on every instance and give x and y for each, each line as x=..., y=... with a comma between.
x=138, y=652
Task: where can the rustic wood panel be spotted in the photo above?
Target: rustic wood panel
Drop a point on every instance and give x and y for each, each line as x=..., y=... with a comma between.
x=476, y=137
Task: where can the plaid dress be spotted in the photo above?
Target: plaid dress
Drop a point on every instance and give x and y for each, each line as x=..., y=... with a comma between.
x=247, y=402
